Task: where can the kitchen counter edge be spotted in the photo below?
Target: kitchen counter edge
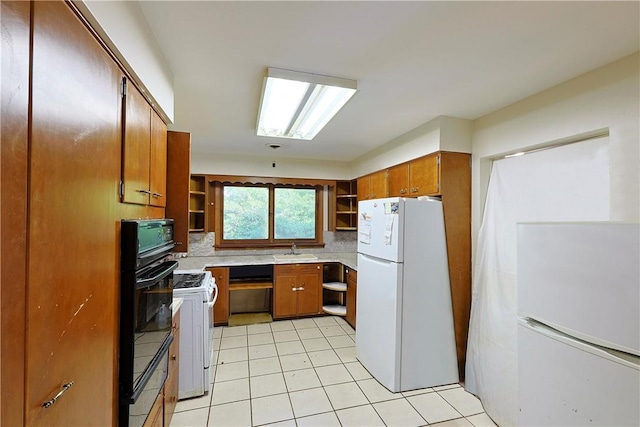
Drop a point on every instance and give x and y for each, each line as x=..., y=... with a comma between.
x=201, y=263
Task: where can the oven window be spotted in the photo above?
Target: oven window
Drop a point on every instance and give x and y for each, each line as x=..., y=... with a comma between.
x=152, y=322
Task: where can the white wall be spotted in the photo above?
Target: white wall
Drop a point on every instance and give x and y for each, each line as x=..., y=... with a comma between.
x=221, y=164
x=123, y=27
x=440, y=134
x=606, y=98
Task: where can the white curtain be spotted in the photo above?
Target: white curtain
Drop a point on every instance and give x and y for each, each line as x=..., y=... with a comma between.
x=565, y=183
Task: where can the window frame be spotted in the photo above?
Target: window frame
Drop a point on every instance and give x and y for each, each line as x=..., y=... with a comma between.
x=271, y=241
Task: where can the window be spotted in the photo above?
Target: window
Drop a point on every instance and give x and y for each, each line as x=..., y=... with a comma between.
x=268, y=215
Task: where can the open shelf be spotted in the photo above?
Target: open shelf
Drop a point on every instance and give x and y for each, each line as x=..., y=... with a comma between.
x=336, y=310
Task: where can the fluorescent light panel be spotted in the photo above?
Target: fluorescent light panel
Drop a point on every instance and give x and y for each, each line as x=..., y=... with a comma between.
x=298, y=105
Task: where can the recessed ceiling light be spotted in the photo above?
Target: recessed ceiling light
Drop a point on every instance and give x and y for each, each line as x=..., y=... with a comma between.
x=298, y=105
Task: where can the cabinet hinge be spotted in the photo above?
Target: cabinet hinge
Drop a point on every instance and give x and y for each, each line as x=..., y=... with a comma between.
x=438, y=160
x=123, y=90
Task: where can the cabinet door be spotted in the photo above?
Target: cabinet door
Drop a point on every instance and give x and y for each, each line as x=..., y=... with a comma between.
x=398, y=180
x=158, y=162
x=136, y=147
x=364, y=187
x=352, y=289
x=424, y=176
x=378, y=185
x=221, y=308
x=285, y=303
x=309, y=289
x=171, y=385
x=178, y=167
x=155, y=415
x=72, y=310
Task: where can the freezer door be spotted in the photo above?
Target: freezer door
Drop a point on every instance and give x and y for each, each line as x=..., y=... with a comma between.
x=582, y=279
x=378, y=316
x=565, y=382
x=381, y=228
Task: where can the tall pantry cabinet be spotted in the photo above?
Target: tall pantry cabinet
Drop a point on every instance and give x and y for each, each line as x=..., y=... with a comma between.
x=61, y=170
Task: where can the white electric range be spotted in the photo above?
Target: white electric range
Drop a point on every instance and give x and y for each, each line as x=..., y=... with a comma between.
x=199, y=292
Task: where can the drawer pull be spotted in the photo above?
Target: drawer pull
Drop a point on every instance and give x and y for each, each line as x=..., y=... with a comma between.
x=174, y=357
x=53, y=400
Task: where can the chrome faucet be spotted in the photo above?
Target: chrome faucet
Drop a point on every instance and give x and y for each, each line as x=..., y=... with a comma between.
x=293, y=248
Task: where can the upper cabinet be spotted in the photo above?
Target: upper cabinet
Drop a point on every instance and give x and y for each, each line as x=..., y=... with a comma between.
x=424, y=176
x=419, y=177
x=158, y=162
x=346, y=203
x=144, y=151
x=178, y=185
x=373, y=186
x=398, y=180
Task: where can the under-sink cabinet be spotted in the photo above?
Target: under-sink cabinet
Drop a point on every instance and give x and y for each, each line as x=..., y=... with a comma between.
x=297, y=290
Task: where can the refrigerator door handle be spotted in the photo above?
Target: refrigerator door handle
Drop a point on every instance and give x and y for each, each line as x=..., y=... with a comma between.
x=620, y=357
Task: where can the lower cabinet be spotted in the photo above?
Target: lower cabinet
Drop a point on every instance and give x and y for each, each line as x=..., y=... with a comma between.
x=155, y=418
x=221, y=308
x=297, y=290
x=171, y=385
x=352, y=288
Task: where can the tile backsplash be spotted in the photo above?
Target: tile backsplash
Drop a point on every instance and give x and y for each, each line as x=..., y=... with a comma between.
x=201, y=244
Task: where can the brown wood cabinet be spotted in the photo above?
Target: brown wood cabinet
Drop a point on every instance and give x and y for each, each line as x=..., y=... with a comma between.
x=178, y=184
x=346, y=205
x=419, y=177
x=221, y=308
x=198, y=203
x=398, y=180
x=352, y=290
x=424, y=177
x=297, y=290
x=372, y=186
x=171, y=384
x=158, y=161
x=74, y=160
x=144, y=166
x=155, y=418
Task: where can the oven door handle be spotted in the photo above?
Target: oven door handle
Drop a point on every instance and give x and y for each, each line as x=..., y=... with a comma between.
x=168, y=269
x=215, y=298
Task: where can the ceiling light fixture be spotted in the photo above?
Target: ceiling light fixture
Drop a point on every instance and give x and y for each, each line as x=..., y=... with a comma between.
x=298, y=105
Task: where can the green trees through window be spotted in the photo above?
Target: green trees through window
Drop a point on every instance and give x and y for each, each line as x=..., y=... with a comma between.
x=246, y=213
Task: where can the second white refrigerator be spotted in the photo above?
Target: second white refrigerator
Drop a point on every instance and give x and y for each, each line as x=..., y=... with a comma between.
x=405, y=336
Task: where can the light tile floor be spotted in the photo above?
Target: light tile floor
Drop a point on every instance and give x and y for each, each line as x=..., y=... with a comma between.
x=304, y=372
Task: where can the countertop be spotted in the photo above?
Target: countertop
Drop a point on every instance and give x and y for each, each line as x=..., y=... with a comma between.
x=200, y=263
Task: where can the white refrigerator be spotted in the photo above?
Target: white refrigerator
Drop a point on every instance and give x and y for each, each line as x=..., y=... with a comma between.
x=404, y=335
x=579, y=324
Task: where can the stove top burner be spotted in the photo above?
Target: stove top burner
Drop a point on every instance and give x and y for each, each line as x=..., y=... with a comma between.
x=187, y=280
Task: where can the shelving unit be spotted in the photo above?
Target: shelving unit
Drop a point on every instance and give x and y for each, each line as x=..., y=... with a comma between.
x=334, y=289
x=346, y=203
x=197, y=203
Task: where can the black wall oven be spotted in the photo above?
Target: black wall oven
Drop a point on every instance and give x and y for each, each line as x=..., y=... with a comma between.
x=146, y=295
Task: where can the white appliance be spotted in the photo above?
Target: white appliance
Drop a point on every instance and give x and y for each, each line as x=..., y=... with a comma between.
x=405, y=335
x=199, y=292
x=579, y=324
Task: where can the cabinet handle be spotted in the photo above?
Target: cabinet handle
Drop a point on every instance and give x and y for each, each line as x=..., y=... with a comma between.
x=144, y=191
x=177, y=243
x=157, y=195
x=173, y=357
x=53, y=400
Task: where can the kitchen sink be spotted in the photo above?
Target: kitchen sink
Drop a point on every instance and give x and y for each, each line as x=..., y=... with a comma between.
x=294, y=257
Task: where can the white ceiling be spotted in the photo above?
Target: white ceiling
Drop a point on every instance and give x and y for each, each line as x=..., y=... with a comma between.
x=413, y=61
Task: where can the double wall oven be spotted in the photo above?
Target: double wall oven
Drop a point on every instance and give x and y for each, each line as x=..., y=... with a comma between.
x=146, y=295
